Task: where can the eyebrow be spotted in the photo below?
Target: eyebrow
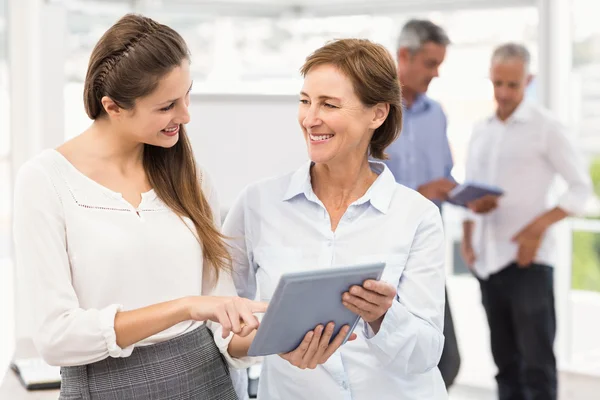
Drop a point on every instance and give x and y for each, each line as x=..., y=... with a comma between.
x=174, y=100
x=322, y=97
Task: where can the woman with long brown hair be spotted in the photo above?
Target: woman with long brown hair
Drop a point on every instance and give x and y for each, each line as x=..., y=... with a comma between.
x=119, y=229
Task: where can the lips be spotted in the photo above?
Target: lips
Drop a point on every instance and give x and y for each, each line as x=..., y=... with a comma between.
x=171, y=131
x=320, y=137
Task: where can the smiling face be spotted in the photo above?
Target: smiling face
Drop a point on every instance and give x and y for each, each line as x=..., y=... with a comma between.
x=336, y=125
x=157, y=118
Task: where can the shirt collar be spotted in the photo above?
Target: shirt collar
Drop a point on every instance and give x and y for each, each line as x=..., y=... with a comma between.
x=299, y=183
x=379, y=194
x=421, y=104
x=521, y=114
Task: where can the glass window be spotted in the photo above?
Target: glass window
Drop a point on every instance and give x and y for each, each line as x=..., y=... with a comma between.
x=585, y=268
x=586, y=75
x=584, y=300
x=585, y=272
x=585, y=100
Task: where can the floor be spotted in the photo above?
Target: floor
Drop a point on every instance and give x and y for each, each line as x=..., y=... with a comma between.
x=469, y=393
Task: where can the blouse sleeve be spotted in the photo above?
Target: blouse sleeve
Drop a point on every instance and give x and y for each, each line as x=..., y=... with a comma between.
x=65, y=333
x=411, y=337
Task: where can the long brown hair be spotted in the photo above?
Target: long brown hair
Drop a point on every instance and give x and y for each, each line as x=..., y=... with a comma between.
x=126, y=64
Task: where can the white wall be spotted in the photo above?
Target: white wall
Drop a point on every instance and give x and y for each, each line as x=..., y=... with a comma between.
x=243, y=138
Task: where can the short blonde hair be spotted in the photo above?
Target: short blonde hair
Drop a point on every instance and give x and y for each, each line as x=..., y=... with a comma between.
x=371, y=69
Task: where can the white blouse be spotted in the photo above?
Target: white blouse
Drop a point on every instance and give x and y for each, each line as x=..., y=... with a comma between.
x=279, y=225
x=91, y=254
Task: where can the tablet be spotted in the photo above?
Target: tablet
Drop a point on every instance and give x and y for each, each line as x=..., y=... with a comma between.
x=303, y=300
x=463, y=194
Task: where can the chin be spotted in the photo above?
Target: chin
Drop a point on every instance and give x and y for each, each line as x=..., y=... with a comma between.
x=165, y=143
x=320, y=157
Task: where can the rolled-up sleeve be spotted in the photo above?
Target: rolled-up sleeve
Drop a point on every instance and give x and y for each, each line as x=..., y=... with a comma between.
x=410, y=339
x=65, y=334
x=568, y=163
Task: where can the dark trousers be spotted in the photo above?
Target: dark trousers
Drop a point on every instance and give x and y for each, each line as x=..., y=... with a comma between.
x=519, y=303
x=450, y=362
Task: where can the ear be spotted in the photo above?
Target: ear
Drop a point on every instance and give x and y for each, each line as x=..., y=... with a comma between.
x=111, y=108
x=380, y=113
x=403, y=54
x=529, y=79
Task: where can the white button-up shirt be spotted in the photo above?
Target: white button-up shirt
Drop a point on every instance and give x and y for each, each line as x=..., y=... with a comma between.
x=279, y=226
x=522, y=155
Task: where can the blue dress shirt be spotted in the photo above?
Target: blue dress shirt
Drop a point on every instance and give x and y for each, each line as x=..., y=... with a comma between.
x=421, y=154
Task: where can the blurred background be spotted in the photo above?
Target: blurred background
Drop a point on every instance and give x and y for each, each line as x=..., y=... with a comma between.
x=245, y=60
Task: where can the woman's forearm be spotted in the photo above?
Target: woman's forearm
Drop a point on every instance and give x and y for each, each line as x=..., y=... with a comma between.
x=238, y=347
x=136, y=325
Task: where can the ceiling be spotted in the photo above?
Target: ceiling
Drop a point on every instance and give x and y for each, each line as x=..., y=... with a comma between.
x=311, y=7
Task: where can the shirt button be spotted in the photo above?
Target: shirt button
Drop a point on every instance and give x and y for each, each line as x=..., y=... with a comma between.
x=345, y=385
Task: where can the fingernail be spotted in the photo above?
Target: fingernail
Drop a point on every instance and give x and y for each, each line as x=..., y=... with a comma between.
x=354, y=290
x=368, y=285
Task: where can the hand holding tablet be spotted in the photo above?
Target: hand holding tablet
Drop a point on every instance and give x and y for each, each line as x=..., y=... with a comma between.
x=479, y=197
x=317, y=347
x=302, y=302
x=371, y=301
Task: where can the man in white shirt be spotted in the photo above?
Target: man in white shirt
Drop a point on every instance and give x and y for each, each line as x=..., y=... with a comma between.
x=521, y=149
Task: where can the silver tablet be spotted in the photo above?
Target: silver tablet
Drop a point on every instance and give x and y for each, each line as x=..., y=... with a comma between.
x=303, y=300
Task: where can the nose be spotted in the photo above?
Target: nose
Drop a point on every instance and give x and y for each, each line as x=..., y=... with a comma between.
x=183, y=116
x=309, y=117
x=502, y=94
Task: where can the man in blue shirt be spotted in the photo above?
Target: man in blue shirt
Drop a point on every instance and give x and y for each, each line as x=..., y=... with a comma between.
x=420, y=158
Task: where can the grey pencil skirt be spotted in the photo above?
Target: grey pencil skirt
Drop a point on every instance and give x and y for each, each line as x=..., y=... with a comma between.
x=187, y=367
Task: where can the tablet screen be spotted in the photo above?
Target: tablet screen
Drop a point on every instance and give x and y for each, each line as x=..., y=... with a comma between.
x=303, y=300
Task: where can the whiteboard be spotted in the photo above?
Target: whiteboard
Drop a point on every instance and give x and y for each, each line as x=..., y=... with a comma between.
x=239, y=139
